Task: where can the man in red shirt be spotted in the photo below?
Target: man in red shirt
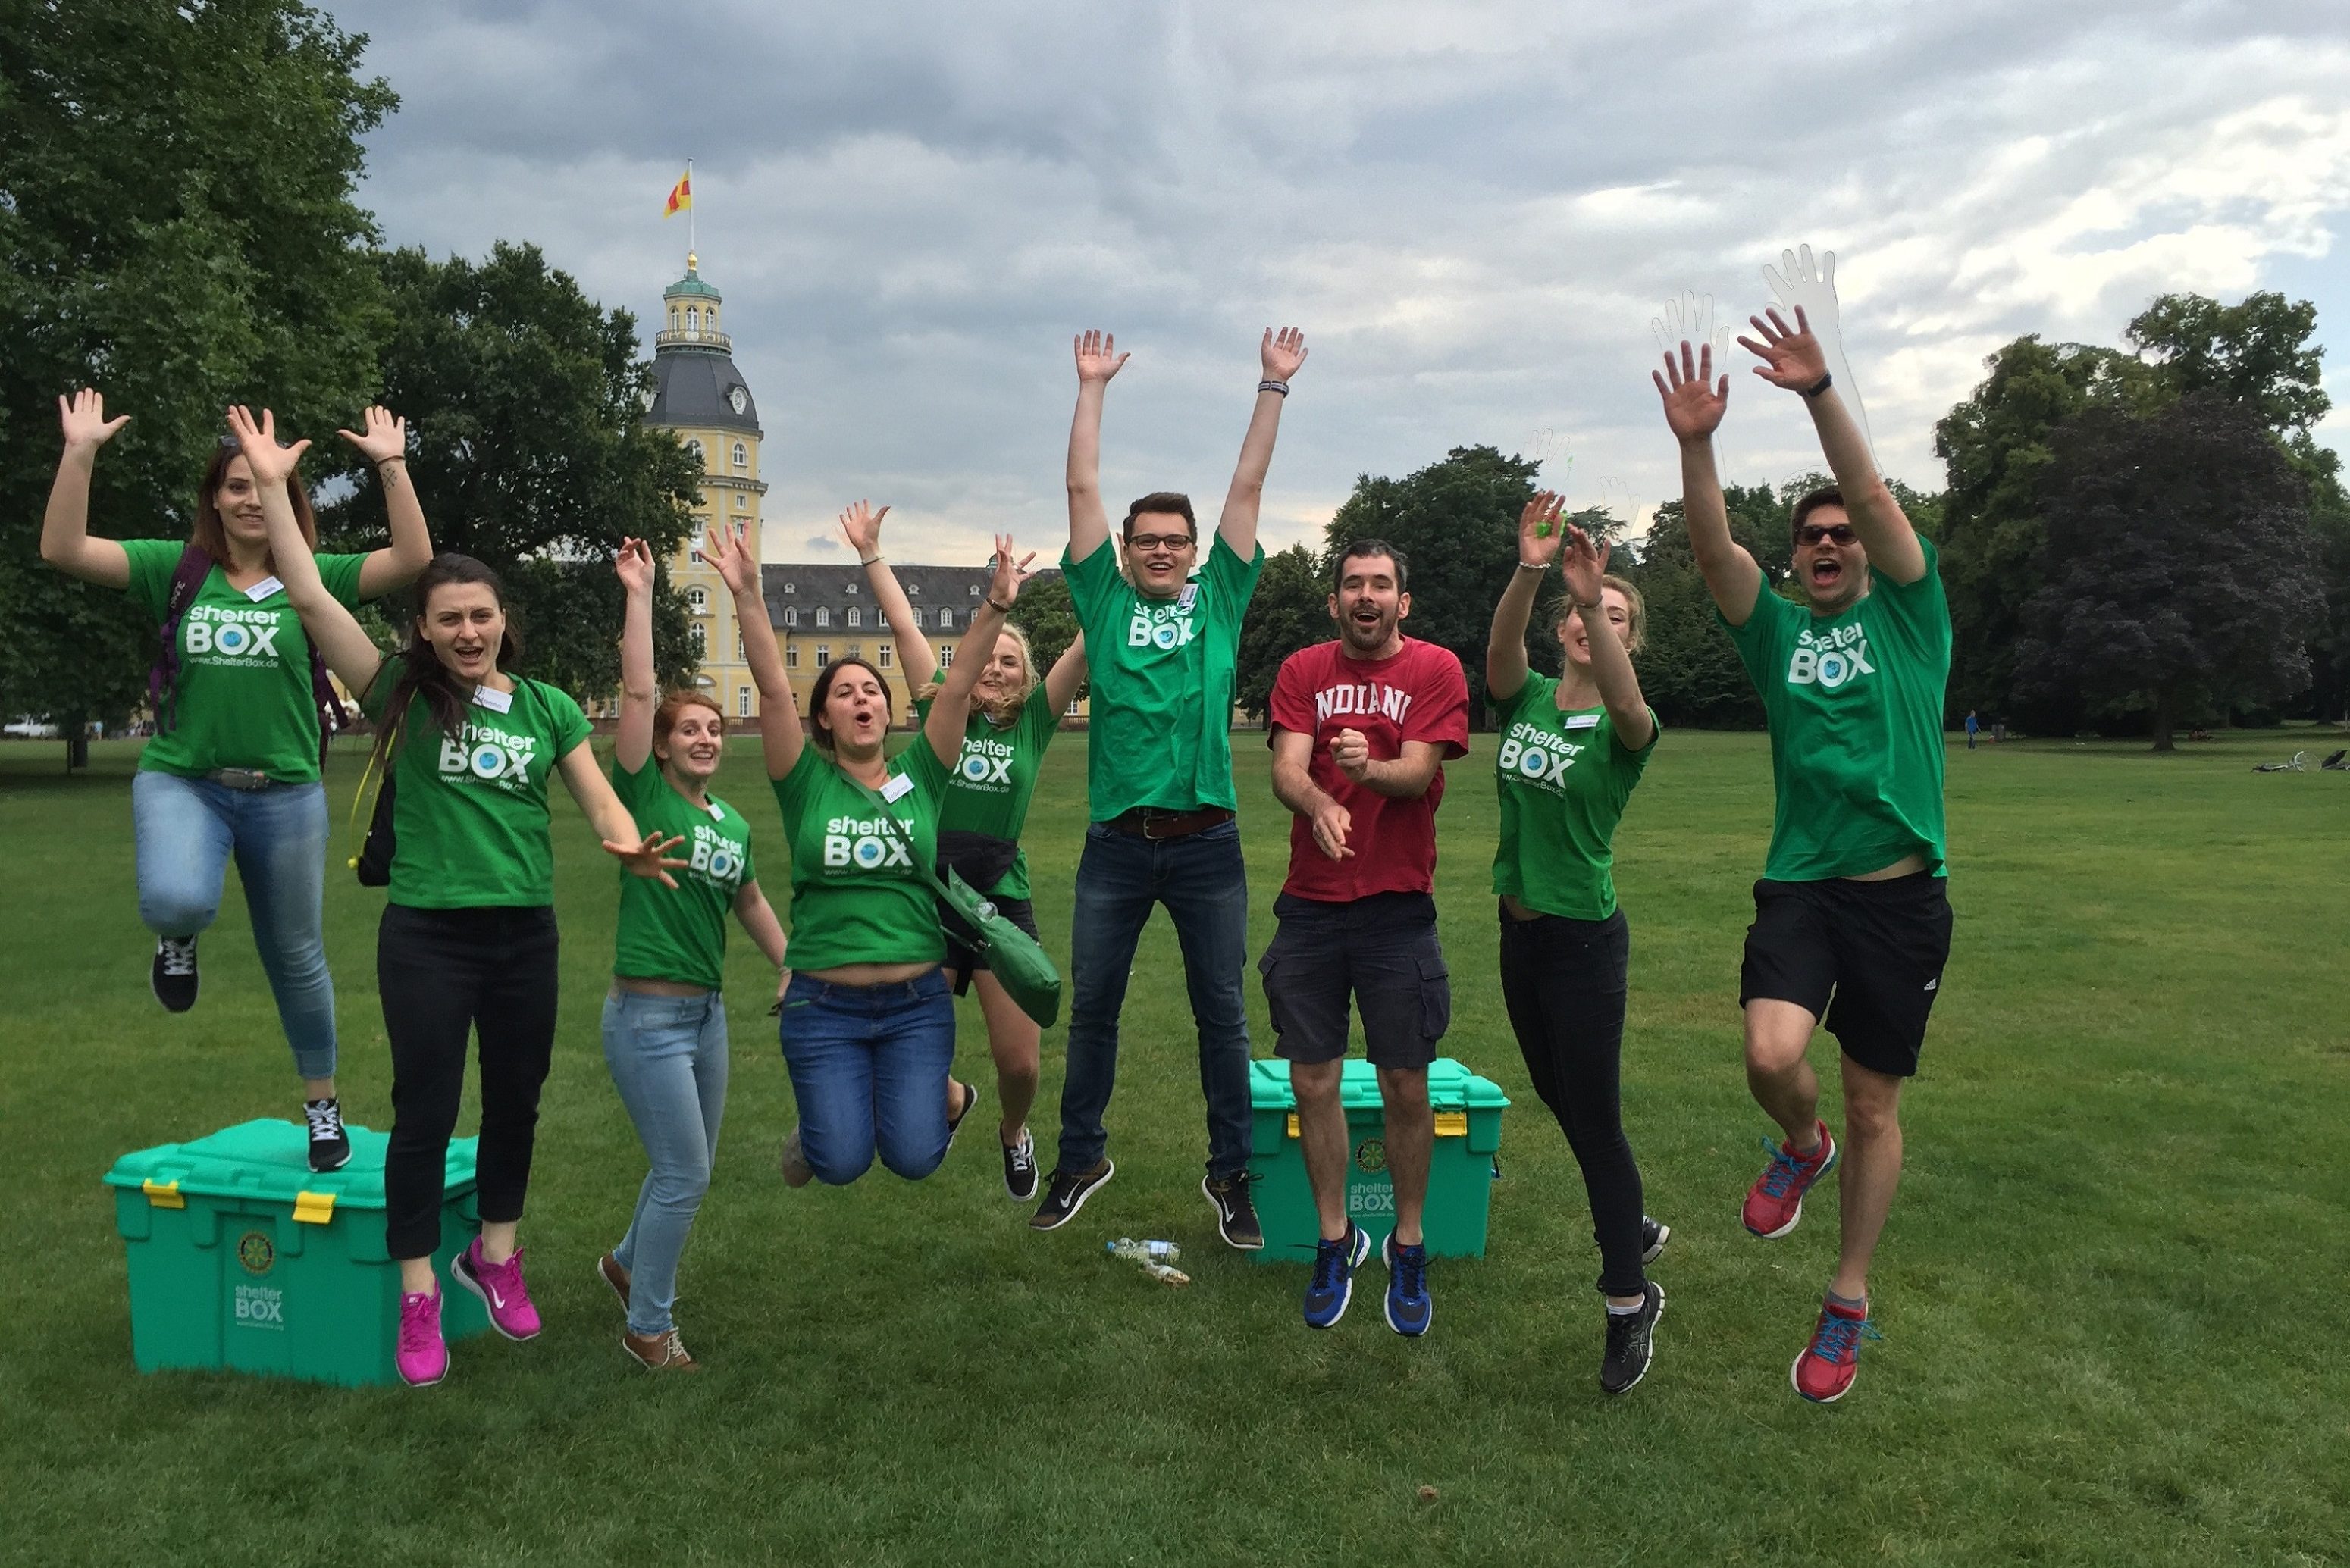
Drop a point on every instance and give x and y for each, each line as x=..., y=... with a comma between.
x=1361, y=728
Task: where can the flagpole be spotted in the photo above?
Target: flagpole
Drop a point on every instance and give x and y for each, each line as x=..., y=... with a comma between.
x=690, y=246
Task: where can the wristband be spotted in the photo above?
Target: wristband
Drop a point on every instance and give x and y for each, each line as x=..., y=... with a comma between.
x=1533, y=565
x=1822, y=385
x=868, y=560
x=999, y=609
x=1280, y=386
x=1578, y=603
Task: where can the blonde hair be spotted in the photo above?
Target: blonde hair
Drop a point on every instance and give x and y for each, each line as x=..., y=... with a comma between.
x=1636, y=609
x=1005, y=709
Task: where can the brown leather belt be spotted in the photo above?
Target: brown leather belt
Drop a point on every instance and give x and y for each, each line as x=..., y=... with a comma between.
x=1151, y=821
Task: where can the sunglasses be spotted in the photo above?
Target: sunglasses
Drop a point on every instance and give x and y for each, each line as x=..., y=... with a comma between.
x=1821, y=533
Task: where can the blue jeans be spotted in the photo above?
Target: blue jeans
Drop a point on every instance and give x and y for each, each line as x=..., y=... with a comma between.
x=868, y=1067
x=668, y=1056
x=1204, y=882
x=186, y=830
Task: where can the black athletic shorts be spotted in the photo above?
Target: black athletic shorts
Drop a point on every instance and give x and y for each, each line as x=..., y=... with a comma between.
x=962, y=961
x=1380, y=951
x=1876, y=947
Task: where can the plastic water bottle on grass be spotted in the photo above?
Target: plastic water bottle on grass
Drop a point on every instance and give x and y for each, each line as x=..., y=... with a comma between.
x=1145, y=1252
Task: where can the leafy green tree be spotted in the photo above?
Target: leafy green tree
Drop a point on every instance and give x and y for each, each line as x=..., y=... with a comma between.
x=1045, y=612
x=2181, y=566
x=177, y=228
x=529, y=450
x=1290, y=610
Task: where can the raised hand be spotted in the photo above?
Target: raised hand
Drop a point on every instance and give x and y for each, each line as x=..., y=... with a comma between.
x=1097, y=357
x=1583, y=565
x=386, y=437
x=84, y=421
x=1282, y=353
x=861, y=526
x=271, y=462
x=1792, y=356
x=634, y=565
x=647, y=859
x=1538, y=528
x=727, y=547
x=1693, y=400
x=1003, y=588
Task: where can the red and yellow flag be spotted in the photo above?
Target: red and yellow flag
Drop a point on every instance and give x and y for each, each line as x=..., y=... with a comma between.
x=681, y=197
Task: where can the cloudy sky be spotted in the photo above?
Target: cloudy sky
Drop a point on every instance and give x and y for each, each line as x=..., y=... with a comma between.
x=1473, y=209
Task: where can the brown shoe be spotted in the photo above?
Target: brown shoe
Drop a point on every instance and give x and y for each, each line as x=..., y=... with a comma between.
x=794, y=1165
x=609, y=1270
x=660, y=1352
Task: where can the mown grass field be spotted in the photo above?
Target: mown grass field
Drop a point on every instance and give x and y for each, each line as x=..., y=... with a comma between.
x=2112, y=1294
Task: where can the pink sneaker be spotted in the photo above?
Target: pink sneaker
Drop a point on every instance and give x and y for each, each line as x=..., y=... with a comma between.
x=423, y=1355
x=501, y=1289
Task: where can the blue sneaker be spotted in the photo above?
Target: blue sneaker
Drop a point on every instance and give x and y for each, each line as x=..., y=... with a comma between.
x=1408, y=1308
x=1333, y=1285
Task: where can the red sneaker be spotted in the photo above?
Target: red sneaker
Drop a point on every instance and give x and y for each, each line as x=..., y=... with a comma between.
x=1827, y=1367
x=1775, y=1201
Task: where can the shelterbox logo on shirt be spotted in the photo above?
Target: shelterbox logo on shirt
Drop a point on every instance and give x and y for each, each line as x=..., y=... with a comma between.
x=211, y=634
x=717, y=860
x=1829, y=659
x=1165, y=625
x=986, y=764
x=493, y=755
x=1369, y=699
x=867, y=843
x=1536, y=755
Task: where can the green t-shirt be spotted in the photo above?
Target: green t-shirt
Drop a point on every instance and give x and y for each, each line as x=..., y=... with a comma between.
x=990, y=788
x=680, y=933
x=469, y=811
x=243, y=692
x=1855, y=702
x=1162, y=676
x=859, y=893
x=1563, y=778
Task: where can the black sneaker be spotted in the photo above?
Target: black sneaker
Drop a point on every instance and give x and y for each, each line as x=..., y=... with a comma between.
x=1065, y=1192
x=173, y=973
x=970, y=1098
x=1653, y=1236
x=1631, y=1342
x=1019, y=1169
x=330, y=1145
x=1235, y=1212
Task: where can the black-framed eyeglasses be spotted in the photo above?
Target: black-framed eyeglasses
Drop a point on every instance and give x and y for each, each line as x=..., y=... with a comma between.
x=1825, y=533
x=1160, y=542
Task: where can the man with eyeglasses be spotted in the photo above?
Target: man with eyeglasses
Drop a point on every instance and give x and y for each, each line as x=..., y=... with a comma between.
x=1163, y=640
x=1851, y=924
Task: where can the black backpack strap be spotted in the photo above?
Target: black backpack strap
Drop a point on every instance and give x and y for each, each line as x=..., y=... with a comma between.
x=163, y=676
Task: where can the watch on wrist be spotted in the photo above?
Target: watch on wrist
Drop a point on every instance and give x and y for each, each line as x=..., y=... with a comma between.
x=1822, y=385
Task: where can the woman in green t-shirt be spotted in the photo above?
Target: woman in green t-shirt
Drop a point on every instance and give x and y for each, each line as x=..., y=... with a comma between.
x=233, y=769
x=1571, y=752
x=665, y=1019
x=467, y=943
x=868, y=1023
x=1014, y=716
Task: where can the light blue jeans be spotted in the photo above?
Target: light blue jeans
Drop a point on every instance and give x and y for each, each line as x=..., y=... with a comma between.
x=668, y=1056
x=186, y=829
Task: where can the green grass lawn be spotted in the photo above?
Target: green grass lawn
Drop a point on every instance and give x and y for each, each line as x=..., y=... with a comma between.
x=2112, y=1292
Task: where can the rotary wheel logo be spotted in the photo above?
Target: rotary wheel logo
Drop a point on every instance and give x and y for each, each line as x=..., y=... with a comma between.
x=256, y=1252
x=1371, y=1154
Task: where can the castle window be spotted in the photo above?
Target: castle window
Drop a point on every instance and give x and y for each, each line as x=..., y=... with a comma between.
x=741, y=701
x=790, y=588
x=946, y=619
x=824, y=653
x=791, y=615
x=973, y=590
x=856, y=617
x=698, y=597
x=917, y=614
x=738, y=647
x=695, y=636
x=884, y=651
x=791, y=655
x=741, y=458
x=694, y=320
x=694, y=447
x=823, y=616
x=946, y=656
x=856, y=650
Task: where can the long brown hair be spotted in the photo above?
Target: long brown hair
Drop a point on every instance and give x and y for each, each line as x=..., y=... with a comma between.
x=822, y=733
x=211, y=536
x=419, y=671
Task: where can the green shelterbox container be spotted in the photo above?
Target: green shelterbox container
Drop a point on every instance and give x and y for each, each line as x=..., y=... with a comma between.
x=244, y=1258
x=1461, y=1168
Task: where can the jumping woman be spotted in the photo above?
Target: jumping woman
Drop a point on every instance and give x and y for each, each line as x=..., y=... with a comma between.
x=868, y=1023
x=1014, y=718
x=1571, y=751
x=467, y=943
x=233, y=767
x=665, y=1019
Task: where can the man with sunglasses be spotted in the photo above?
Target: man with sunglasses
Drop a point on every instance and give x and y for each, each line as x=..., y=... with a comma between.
x=1851, y=924
x=1162, y=638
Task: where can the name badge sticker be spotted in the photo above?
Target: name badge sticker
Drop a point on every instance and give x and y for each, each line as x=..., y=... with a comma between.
x=1188, y=598
x=717, y=812
x=897, y=788
x=264, y=588
x=1581, y=721
x=496, y=701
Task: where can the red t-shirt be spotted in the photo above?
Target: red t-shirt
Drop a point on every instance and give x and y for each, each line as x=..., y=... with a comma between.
x=1418, y=694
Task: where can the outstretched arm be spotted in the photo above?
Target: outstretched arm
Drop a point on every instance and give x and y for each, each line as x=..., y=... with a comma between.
x=1693, y=409
x=1281, y=354
x=639, y=689
x=345, y=645
x=952, y=709
x=589, y=787
x=1505, y=644
x=862, y=526
x=1294, y=786
x=1584, y=566
x=779, y=715
x=1068, y=673
x=1793, y=359
x=1098, y=360
x=385, y=446
x=65, y=543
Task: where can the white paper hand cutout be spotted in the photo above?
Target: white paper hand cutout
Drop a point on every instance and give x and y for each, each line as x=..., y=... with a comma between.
x=1690, y=318
x=1798, y=282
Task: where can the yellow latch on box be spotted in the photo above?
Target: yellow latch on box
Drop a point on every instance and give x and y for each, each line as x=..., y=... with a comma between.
x=313, y=1208
x=164, y=1194
x=1449, y=1124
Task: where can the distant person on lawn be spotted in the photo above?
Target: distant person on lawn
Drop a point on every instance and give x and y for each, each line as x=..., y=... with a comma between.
x=665, y=1018
x=1851, y=922
x=234, y=766
x=1972, y=728
x=1013, y=717
x=1162, y=636
x=1360, y=729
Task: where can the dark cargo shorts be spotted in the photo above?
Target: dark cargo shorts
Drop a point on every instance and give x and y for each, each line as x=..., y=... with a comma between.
x=1381, y=952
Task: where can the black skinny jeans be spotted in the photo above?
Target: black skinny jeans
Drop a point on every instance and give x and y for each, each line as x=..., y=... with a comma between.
x=1564, y=984
x=444, y=974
